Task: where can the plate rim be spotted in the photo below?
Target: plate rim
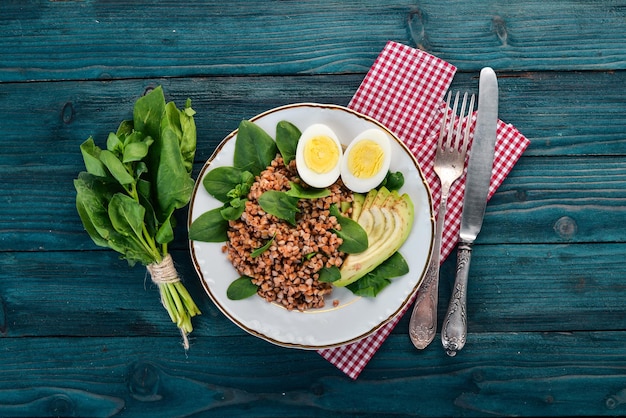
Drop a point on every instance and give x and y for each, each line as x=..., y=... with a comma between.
x=206, y=166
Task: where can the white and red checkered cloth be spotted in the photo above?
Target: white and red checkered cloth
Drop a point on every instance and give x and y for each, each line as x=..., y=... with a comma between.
x=404, y=90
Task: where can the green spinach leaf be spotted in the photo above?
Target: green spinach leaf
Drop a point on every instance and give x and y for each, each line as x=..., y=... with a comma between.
x=233, y=209
x=280, y=205
x=114, y=144
x=241, y=288
x=188, y=139
x=222, y=182
x=300, y=192
x=393, y=181
x=264, y=248
x=116, y=168
x=254, y=148
x=209, y=227
x=135, y=148
x=126, y=215
x=287, y=136
x=353, y=235
x=173, y=184
x=376, y=280
x=329, y=274
x=148, y=112
x=165, y=234
x=91, y=157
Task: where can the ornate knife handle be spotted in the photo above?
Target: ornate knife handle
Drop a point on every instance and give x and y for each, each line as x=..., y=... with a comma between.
x=454, y=330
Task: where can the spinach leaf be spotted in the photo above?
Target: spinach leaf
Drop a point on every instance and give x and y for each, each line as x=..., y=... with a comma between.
x=329, y=274
x=165, y=234
x=91, y=157
x=125, y=128
x=173, y=185
x=136, y=147
x=182, y=124
x=300, y=192
x=254, y=148
x=221, y=181
x=92, y=210
x=376, y=280
x=233, y=209
x=129, y=249
x=92, y=198
x=209, y=227
x=188, y=139
x=280, y=205
x=242, y=189
x=126, y=215
x=241, y=288
x=287, y=136
x=264, y=248
x=393, y=181
x=114, y=144
x=353, y=235
x=116, y=168
x=148, y=112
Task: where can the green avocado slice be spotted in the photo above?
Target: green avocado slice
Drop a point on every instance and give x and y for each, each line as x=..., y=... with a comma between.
x=387, y=219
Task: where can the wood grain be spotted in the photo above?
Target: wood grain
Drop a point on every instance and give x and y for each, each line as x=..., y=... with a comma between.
x=108, y=40
x=148, y=377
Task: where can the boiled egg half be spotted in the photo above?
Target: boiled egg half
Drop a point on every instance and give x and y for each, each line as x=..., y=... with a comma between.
x=318, y=156
x=366, y=161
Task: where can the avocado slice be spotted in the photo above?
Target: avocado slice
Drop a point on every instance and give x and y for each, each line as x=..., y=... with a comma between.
x=382, y=194
x=388, y=223
x=369, y=198
x=357, y=204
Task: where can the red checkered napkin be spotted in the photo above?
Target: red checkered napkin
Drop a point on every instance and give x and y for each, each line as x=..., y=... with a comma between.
x=404, y=90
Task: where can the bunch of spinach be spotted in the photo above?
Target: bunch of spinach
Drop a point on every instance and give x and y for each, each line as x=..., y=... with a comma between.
x=130, y=190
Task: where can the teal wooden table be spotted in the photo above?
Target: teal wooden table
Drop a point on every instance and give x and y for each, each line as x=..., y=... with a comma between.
x=81, y=334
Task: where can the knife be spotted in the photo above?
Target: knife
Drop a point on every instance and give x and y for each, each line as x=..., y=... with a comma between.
x=454, y=330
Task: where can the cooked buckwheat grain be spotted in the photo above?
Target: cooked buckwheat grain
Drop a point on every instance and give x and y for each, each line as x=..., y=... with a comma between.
x=287, y=272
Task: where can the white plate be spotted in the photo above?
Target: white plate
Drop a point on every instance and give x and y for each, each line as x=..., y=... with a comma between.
x=355, y=317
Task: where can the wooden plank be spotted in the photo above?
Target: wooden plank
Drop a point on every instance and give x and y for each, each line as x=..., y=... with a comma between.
x=559, y=199
x=95, y=294
x=57, y=117
x=105, y=40
x=531, y=374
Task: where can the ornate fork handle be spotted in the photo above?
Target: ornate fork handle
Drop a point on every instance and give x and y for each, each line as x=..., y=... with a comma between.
x=423, y=322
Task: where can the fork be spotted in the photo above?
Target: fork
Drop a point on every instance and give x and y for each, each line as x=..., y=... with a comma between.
x=449, y=164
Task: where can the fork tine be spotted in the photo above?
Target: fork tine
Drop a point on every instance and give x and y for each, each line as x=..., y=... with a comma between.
x=451, y=125
x=442, y=130
x=459, y=125
x=468, y=124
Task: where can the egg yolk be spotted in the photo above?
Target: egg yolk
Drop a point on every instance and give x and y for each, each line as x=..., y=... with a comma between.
x=321, y=154
x=365, y=159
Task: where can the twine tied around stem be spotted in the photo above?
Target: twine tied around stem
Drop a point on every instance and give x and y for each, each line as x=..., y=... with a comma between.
x=163, y=272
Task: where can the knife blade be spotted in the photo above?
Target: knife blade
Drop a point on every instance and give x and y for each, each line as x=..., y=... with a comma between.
x=479, y=167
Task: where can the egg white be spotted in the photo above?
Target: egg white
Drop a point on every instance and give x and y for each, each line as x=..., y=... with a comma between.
x=310, y=177
x=362, y=185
